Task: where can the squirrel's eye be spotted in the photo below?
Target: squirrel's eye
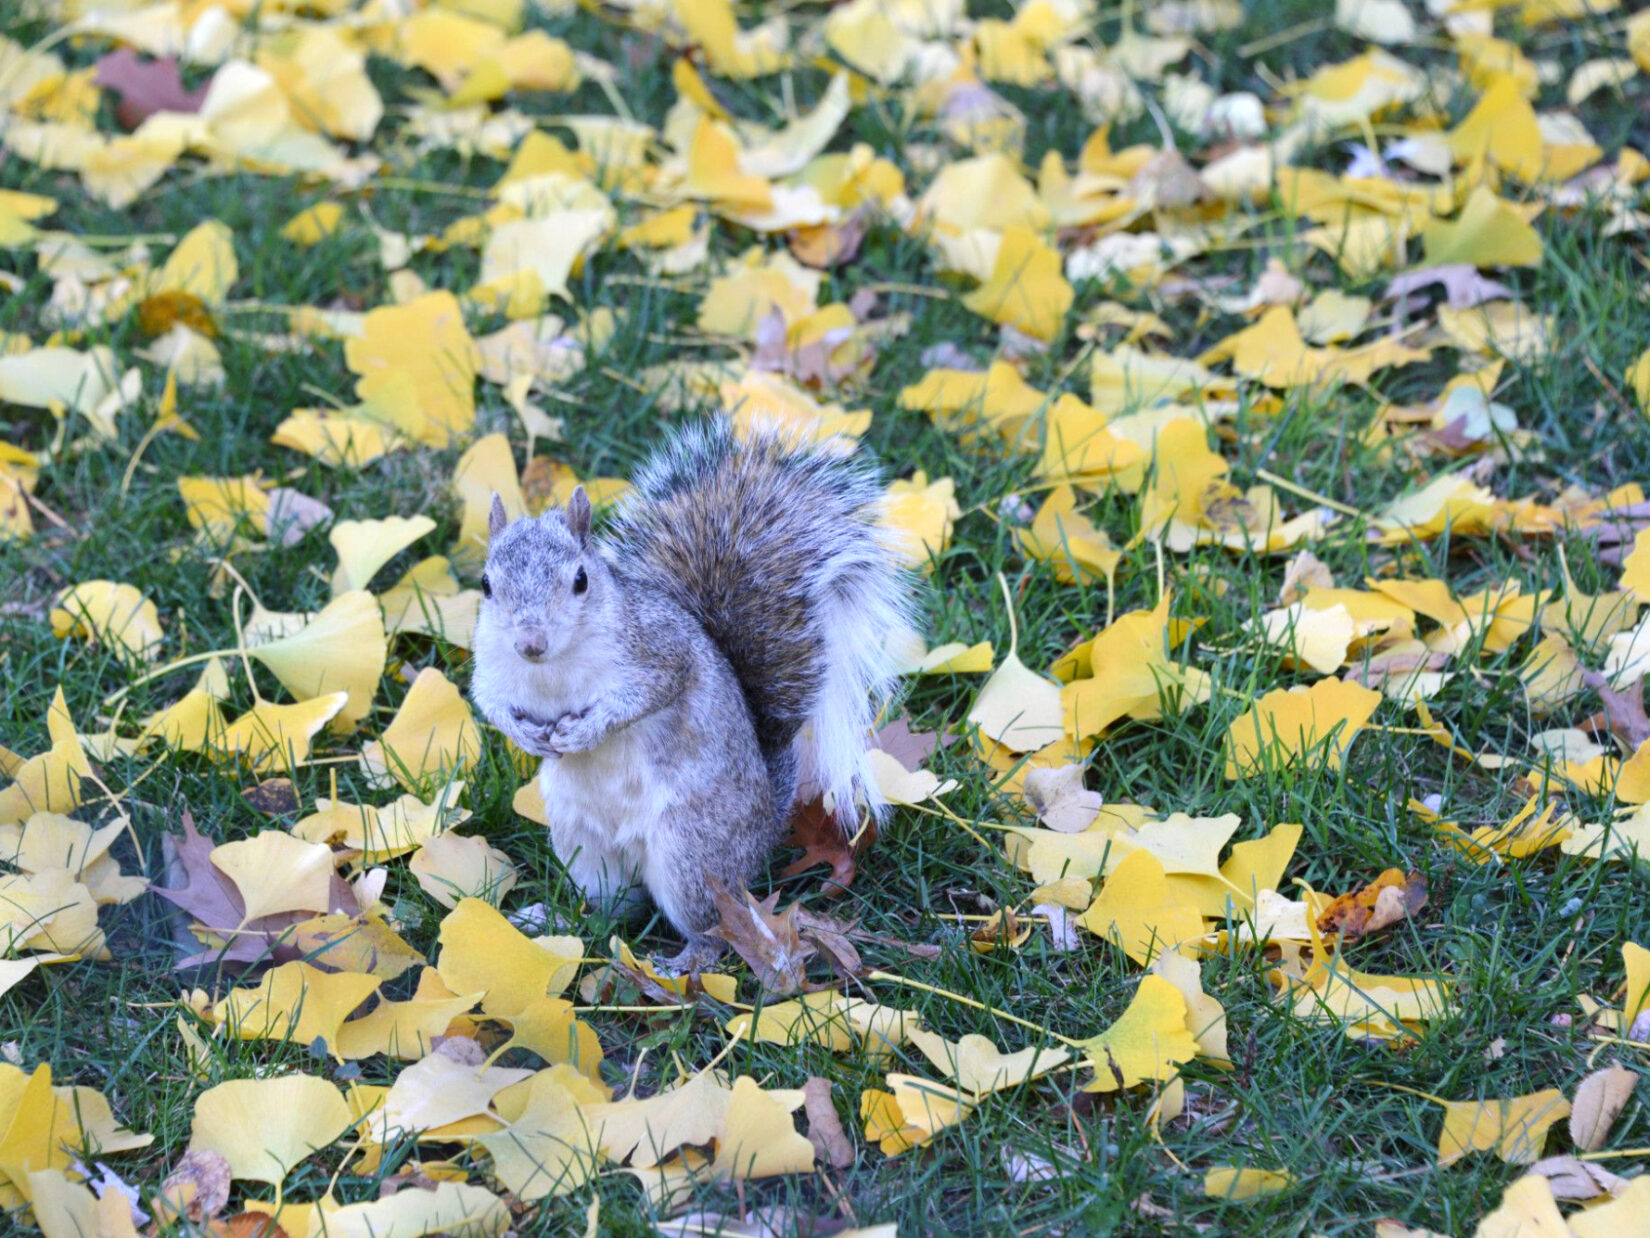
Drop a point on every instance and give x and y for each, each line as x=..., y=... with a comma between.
x=486, y=586
x=581, y=582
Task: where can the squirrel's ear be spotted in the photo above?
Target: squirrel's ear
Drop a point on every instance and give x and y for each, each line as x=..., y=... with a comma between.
x=578, y=515
x=496, y=519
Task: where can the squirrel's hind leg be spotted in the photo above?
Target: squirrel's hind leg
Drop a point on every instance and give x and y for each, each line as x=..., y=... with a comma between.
x=608, y=877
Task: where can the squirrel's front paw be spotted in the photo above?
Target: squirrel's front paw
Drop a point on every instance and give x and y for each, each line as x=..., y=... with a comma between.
x=576, y=732
x=532, y=735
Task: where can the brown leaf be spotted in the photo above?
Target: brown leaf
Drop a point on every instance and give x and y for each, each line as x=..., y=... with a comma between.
x=292, y=514
x=207, y=895
x=145, y=87
x=160, y=313
x=765, y=938
x=1391, y=897
x=910, y=748
x=248, y=1225
x=830, y=245
x=1570, y=1177
x=1599, y=1100
x=1060, y=800
x=827, y=934
x=1305, y=571
x=215, y=905
x=197, y=1188
x=1463, y=286
x=1397, y=664
x=273, y=797
x=825, y=1132
x=821, y=837
x=1166, y=179
x=1624, y=710
x=1002, y=931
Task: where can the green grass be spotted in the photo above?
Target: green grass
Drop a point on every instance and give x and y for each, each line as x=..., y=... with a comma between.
x=1518, y=940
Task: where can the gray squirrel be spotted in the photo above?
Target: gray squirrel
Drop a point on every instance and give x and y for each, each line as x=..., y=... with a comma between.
x=740, y=621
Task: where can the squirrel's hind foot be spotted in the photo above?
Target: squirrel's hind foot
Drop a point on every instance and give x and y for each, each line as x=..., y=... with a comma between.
x=698, y=954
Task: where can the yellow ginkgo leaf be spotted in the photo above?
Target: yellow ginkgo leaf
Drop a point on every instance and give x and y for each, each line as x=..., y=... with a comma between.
x=417, y=366
x=1017, y=707
x=427, y=599
x=50, y=840
x=295, y=1002
x=1287, y=727
x=364, y=546
x=450, y=867
x=202, y=264
x=912, y=1114
x=341, y=649
x=440, y=1090
x=1132, y=674
x=486, y=468
x=1635, y=568
x=905, y=786
x=1528, y=1210
x=444, y=1208
x=481, y=951
x=50, y=912
x=1026, y=289
x=1137, y=908
x=919, y=515
x=1148, y=1041
x=64, y=1209
x=956, y=658
x=41, y=1130
x=1237, y=1185
x=1514, y=1129
x=1638, y=378
x=644, y=1132
x=50, y=781
x=548, y=1148
x=406, y=1029
x=276, y=872
x=548, y=1027
x=1061, y=535
x=337, y=440
x=432, y=735
x=960, y=399
x=382, y=833
x=110, y=613
x=263, y=1127
x=759, y=1138
x=1489, y=232
x=755, y=286
x=978, y=1067
x=313, y=224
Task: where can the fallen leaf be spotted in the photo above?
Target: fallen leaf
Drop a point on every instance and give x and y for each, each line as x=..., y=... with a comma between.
x=1391, y=897
x=1599, y=1100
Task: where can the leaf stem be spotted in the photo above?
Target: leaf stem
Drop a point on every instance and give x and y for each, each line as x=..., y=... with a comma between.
x=891, y=978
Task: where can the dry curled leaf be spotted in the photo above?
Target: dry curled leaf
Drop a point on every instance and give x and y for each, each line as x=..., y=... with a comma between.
x=1391, y=897
x=197, y=1189
x=145, y=87
x=765, y=938
x=1060, y=800
x=1599, y=1100
x=830, y=1141
x=821, y=837
x=274, y=797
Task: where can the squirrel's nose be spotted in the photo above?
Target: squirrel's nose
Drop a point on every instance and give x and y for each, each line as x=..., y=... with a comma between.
x=530, y=645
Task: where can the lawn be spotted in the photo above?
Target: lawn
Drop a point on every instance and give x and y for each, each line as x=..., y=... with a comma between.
x=1109, y=293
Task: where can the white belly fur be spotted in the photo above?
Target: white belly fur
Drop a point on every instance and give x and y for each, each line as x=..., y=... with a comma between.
x=603, y=806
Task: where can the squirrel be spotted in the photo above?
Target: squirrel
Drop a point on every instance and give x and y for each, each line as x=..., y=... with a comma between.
x=742, y=619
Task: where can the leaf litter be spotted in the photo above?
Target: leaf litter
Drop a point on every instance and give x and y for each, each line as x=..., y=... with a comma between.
x=1420, y=222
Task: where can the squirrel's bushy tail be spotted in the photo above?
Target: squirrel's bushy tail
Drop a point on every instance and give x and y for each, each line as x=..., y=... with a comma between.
x=777, y=551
